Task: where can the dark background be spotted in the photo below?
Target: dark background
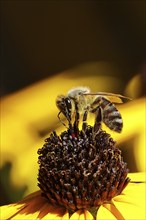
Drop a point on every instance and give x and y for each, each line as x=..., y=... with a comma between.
x=41, y=38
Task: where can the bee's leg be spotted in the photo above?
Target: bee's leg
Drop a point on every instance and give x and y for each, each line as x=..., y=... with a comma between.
x=84, y=125
x=69, y=127
x=95, y=108
x=98, y=119
x=77, y=117
x=61, y=119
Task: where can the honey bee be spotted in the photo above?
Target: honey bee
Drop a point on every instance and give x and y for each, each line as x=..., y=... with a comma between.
x=80, y=101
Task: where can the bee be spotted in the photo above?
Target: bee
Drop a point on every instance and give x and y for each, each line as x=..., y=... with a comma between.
x=80, y=101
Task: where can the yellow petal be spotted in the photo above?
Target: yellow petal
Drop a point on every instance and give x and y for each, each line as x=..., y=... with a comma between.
x=20, y=216
x=65, y=216
x=7, y=211
x=135, y=191
x=82, y=215
x=76, y=215
x=51, y=216
x=46, y=210
x=131, y=203
x=130, y=211
x=104, y=214
x=32, y=207
x=137, y=177
x=88, y=215
x=49, y=213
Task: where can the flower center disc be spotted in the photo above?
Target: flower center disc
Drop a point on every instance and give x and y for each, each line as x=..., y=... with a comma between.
x=81, y=172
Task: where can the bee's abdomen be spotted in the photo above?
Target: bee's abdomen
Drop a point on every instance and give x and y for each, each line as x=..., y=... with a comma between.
x=111, y=116
x=113, y=121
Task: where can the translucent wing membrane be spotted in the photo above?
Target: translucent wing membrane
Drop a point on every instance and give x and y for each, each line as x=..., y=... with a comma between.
x=115, y=98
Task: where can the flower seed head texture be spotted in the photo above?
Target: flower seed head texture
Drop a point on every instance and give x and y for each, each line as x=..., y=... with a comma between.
x=81, y=171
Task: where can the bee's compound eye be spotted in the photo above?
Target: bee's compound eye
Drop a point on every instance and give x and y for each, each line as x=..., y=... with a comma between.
x=68, y=103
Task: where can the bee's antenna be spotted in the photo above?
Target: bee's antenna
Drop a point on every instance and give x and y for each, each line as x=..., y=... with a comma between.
x=61, y=120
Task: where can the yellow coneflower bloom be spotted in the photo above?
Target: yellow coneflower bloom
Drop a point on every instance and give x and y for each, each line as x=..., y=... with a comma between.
x=82, y=176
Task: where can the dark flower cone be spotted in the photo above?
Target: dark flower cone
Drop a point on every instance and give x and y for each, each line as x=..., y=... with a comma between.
x=81, y=172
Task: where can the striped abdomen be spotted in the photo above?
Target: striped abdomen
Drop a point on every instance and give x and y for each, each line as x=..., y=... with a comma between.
x=110, y=115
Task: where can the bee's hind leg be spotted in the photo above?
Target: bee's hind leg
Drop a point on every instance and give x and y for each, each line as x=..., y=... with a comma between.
x=98, y=119
x=76, y=122
x=84, y=125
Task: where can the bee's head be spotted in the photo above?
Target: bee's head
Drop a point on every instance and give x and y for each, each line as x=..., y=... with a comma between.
x=64, y=105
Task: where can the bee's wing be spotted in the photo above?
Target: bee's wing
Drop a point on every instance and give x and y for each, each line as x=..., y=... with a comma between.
x=114, y=98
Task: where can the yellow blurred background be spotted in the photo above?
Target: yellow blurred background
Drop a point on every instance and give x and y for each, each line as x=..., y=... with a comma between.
x=49, y=47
